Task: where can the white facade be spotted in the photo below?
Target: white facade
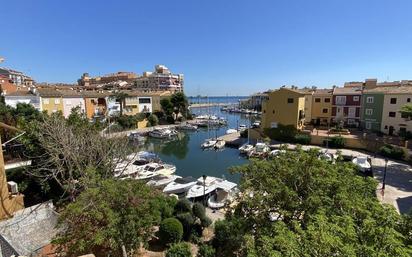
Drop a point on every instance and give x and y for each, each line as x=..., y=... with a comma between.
x=392, y=120
x=72, y=102
x=27, y=99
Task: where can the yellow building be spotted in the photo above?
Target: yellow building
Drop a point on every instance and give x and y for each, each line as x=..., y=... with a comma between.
x=50, y=100
x=284, y=106
x=321, y=112
x=11, y=200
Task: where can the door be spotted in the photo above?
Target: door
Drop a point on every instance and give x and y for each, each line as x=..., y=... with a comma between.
x=391, y=129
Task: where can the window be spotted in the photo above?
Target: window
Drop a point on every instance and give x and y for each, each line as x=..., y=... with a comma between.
x=392, y=114
x=290, y=100
x=317, y=100
x=408, y=100
x=386, y=127
x=369, y=99
x=144, y=100
x=264, y=111
x=273, y=111
x=393, y=100
x=404, y=115
x=325, y=110
x=356, y=98
x=273, y=124
x=57, y=101
x=341, y=100
x=46, y=101
x=368, y=111
x=327, y=100
x=368, y=125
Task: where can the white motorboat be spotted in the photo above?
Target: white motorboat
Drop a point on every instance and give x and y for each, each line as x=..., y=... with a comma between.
x=231, y=131
x=160, y=169
x=162, y=181
x=180, y=185
x=220, y=144
x=362, y=163
x=162, y=133
x=261, y=149
x=203, y=187
x=242, y=127
x=246, y=148
x=209, y=143
x=276, y=152
x=256, y=124
x=187, y=126
x=224, y=194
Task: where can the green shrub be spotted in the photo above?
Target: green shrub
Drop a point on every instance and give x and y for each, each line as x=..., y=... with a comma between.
x=152, y=120
x=182, y=206
x=199, y=210
x=284, y=133
x=170, y=231
x=391, y=151
x=303, y=139
x=206, y=251
x=127, y=121
x=205, y=221
x=336, y=142
x=187, y=221
x=179, y=250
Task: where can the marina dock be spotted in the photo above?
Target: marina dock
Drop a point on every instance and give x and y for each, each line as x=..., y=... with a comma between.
x=232, y=140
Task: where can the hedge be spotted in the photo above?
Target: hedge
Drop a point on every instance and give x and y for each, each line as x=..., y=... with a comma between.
x=206, y=251
x=179, y=250
x=170, y=231
x=182, y=206
x=303, y=139
x=391, y=151
x=335, y=142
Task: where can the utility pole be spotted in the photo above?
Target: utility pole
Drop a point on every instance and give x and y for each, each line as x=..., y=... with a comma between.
x=384, y=176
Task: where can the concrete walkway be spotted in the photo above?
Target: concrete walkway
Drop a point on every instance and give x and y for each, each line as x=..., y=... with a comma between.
x=398, y=188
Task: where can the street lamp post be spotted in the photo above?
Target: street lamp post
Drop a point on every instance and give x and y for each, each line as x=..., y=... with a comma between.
x=384, y=176
x=204, y=189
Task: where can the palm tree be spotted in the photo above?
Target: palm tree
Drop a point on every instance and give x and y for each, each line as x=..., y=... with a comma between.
x=120, y=97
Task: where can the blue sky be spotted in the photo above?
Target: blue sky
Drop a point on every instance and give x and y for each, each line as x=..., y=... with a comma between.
x=222, y=46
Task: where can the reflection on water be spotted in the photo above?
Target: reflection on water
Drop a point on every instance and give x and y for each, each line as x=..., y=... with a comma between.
x=191, y=160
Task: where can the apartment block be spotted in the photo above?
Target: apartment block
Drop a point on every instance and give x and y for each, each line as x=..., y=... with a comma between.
x=284, y=106
x=346, y=105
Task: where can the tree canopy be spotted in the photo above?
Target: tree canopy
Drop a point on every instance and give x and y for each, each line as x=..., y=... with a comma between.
x=300, y=205
x=104, y=219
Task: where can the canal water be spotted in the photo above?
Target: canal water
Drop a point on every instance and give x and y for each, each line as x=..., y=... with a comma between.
x=186, y=153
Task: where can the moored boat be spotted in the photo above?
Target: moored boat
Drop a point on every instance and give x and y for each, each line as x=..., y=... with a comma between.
x=162, y=181
x=180, y=185
x=209, y=143
x=220, y=144
x=203, y=187
x=246, y=148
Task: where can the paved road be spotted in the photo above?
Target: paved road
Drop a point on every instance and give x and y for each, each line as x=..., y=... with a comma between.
x=398, y=188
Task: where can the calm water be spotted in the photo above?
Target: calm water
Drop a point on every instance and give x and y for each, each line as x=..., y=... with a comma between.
x=216, y=99
x=191, y=160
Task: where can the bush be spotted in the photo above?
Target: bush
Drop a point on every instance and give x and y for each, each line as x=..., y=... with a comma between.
x=303, y=139
x=179, y=250
x=170, y=231
x=336, y=142
x=206, y=251
x=182, y=206
x=126, y=121
x=205, y=221
x=391, y=151
x=187, y=221
x=282, y=133
x=152, y=120
x=199, y=210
